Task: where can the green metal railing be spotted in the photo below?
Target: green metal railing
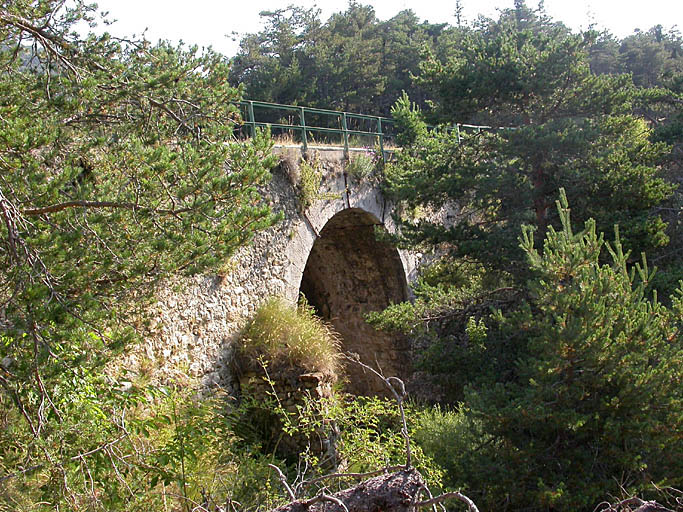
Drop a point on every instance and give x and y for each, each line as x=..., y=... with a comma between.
x=377, y=124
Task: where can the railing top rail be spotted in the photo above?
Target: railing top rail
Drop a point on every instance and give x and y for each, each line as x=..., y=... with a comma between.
x=321, y=129
x=313, y=110
x=266, y=104
x=366, y=116
x=352, y=115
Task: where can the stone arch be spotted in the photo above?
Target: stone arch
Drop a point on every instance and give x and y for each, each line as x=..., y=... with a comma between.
x=349, y=273
x=196, y=330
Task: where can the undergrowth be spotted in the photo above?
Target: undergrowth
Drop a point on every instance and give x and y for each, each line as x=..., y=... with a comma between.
x=147, y=448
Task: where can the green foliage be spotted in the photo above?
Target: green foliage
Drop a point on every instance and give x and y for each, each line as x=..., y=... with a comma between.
x=118, y=168
x=360, y=166
x=360, y=434
x=442, y=286
x=370, y=436
x=143, y=449
x=309, y=184
x=449, y=318
x=458, y=445
x=554, y=125
x=366, y=433
x=571, y=388
x=408, y=121
x=352, y=61
x=651, y=57
x=197, y=456
x=291, y=337
x=594, y=392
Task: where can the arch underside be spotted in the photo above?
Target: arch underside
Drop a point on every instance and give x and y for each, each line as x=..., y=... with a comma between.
x=348, y=274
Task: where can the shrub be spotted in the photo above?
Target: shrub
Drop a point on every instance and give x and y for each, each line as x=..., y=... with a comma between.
x=311, y=179
x=360, y=166
x=457, y=444
x=294, y=337
x=142, y=449
x=371, y=436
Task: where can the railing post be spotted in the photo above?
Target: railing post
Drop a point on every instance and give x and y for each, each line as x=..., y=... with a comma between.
x=252, y=119
x=345, y=133
x=381, y=139
x=302, y=120
x=457, y=132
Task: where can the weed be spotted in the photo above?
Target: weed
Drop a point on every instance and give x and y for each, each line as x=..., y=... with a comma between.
x=311, y=178
x=360, y=166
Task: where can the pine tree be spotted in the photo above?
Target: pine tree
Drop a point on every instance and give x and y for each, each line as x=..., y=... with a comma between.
x=118, y=168
x=554, y=124
x=593, y=402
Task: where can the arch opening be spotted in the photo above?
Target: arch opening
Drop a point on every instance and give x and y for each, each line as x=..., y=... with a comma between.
x=348, y=274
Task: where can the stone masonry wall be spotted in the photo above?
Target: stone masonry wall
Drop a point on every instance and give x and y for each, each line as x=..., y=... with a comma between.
x=195, y=323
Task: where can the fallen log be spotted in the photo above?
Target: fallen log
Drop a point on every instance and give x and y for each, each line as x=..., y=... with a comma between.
x=400, y=491
x=633, y=504
x=391, y=492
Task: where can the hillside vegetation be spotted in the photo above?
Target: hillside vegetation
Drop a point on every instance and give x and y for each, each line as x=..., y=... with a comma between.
x=556, y=346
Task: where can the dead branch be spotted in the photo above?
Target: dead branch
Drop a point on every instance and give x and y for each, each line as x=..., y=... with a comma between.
x=399, y=392
x=53, y=44
x=392, y=492
x=283, y=480
x=446, y=496
x=174, y=116
x=388, y=469
x=326, y=497
x=633, y=504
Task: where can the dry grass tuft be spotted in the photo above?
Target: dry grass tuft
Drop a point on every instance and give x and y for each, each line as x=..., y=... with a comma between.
x=289, y=337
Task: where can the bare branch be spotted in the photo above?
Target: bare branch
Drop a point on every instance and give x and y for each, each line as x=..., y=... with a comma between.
x=283, y=480
x=387, y=469
x=326, y=497
x=448, y=495
x=170, y=112
x=52, y=43
x=392, y=492
x=627, y=504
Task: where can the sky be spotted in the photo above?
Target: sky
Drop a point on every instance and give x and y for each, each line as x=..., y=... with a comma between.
x=213, y=22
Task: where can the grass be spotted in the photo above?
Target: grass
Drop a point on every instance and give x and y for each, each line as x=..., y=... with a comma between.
x=289, y=138
x=360, y=166
x=310, y=180
x=294, y=337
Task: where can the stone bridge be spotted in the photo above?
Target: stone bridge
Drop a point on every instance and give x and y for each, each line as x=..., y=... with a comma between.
x=328, y=253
